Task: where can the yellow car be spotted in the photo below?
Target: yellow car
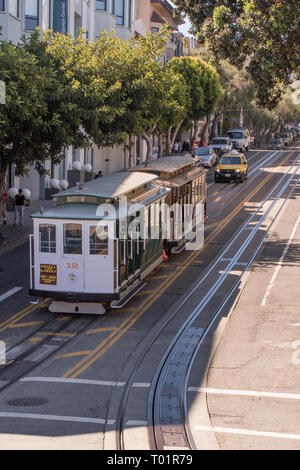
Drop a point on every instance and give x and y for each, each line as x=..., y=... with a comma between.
x=232, y=166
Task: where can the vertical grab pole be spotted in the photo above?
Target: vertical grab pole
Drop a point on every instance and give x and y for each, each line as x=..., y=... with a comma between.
x=30, y=260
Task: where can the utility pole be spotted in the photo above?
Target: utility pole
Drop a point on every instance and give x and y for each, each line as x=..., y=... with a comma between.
x=242, y=117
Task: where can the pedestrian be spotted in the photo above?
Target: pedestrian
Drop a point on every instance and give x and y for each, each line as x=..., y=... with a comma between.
x=20, y=202
x=98, y=175
x=4, y=202
x=176, y=147
x=179, y=147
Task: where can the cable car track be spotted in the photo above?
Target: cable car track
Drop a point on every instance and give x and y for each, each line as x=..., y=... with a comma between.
x=34, y=348
x=22, y=360
x=171, y=421
x=63, y=328
x=230, y=188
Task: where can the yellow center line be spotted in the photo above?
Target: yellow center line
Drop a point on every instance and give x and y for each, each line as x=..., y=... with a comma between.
x=73, y=354
x=157, y=277
x=23, y=313
x=101, y=330
x=123, y=325
x=132, y=319
x=35, y=339
x=52, y=333
x=22, y=325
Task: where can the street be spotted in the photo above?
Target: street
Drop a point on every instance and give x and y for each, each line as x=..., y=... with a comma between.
x=117, y=381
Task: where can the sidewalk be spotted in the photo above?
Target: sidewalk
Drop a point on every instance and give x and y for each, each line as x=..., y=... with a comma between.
x=15, y=236
x=253, y=383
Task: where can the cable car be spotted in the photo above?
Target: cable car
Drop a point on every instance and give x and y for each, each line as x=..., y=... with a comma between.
x=188, y=189
x=94, y=249
x=78, y=255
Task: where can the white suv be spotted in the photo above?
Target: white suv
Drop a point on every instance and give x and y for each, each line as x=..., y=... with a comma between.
x=240, y=138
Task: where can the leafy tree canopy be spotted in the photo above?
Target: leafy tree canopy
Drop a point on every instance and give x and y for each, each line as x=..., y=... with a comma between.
x=264, y=34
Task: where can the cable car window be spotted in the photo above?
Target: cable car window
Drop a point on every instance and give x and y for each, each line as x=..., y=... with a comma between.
x=99, y=240
x=73, y=239
x=47, y=237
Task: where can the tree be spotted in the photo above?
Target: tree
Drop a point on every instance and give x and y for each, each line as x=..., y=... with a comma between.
x=202, y=87
x=264, y=34
x=39, y=116
x=122, y=80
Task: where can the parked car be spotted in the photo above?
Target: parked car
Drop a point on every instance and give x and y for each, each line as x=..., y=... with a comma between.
x=276, y=144
x=221, y=145
x=232, y=167
x=205, y=156
x=240, y=137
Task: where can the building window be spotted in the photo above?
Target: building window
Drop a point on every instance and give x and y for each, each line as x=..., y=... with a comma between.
x=14, y=7
x=2, y=6
x=47, y=238
x=31, y=14
x=72, y=239
x=154, y=30
x=101, y=5
x=129, y=13
x=120, y=12
x=60, y=16
x=112, y=7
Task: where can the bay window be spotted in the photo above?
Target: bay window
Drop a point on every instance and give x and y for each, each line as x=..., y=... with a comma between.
x=120, y=7
x=31, y=14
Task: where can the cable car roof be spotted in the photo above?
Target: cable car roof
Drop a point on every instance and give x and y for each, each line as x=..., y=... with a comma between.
x=169, y=164
x=111, y=186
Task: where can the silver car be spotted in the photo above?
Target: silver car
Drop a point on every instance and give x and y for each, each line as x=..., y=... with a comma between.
x=205, y=156
x=221, y=145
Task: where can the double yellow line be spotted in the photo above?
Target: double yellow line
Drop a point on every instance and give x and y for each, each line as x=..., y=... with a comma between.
x=10, y=322
x=107, y=343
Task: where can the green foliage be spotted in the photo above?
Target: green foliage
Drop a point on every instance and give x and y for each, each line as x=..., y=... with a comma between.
x=40, y=115
x=202, y=83
x=263, y=34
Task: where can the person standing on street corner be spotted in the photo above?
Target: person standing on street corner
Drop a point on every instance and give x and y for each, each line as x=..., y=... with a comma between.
x=4, y=202
x=20, y=202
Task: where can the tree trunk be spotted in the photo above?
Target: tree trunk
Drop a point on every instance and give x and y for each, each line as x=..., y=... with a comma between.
x=214, y=129
x=149, y=142
x=131, y=151
x=160, y=146
x=205, y=130
x=2, y=190
x=196, y=130
x=169, y=140
x=175, y=133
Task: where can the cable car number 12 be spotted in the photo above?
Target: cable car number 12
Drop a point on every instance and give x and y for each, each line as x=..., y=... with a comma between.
x=72, y=265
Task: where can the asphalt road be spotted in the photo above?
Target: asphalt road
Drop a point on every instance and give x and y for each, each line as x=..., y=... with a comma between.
x=63, y=380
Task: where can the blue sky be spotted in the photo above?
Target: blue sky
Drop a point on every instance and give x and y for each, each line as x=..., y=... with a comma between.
x=185, y=27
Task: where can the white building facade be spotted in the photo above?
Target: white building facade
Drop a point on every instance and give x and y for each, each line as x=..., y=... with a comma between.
x=19, y=17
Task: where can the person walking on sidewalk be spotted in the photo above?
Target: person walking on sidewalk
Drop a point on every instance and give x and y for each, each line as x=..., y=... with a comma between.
x=3, y=210
x=20, y=202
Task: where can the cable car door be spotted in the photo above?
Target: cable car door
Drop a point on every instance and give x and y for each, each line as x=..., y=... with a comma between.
x=72, y=259
x=99, y=267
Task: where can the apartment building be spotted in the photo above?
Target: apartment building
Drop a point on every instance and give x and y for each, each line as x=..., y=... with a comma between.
x=151, y=15
x=18, y=17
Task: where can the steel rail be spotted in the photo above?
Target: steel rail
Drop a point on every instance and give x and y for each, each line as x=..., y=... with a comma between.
x=161, y=372
x=155, y=333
